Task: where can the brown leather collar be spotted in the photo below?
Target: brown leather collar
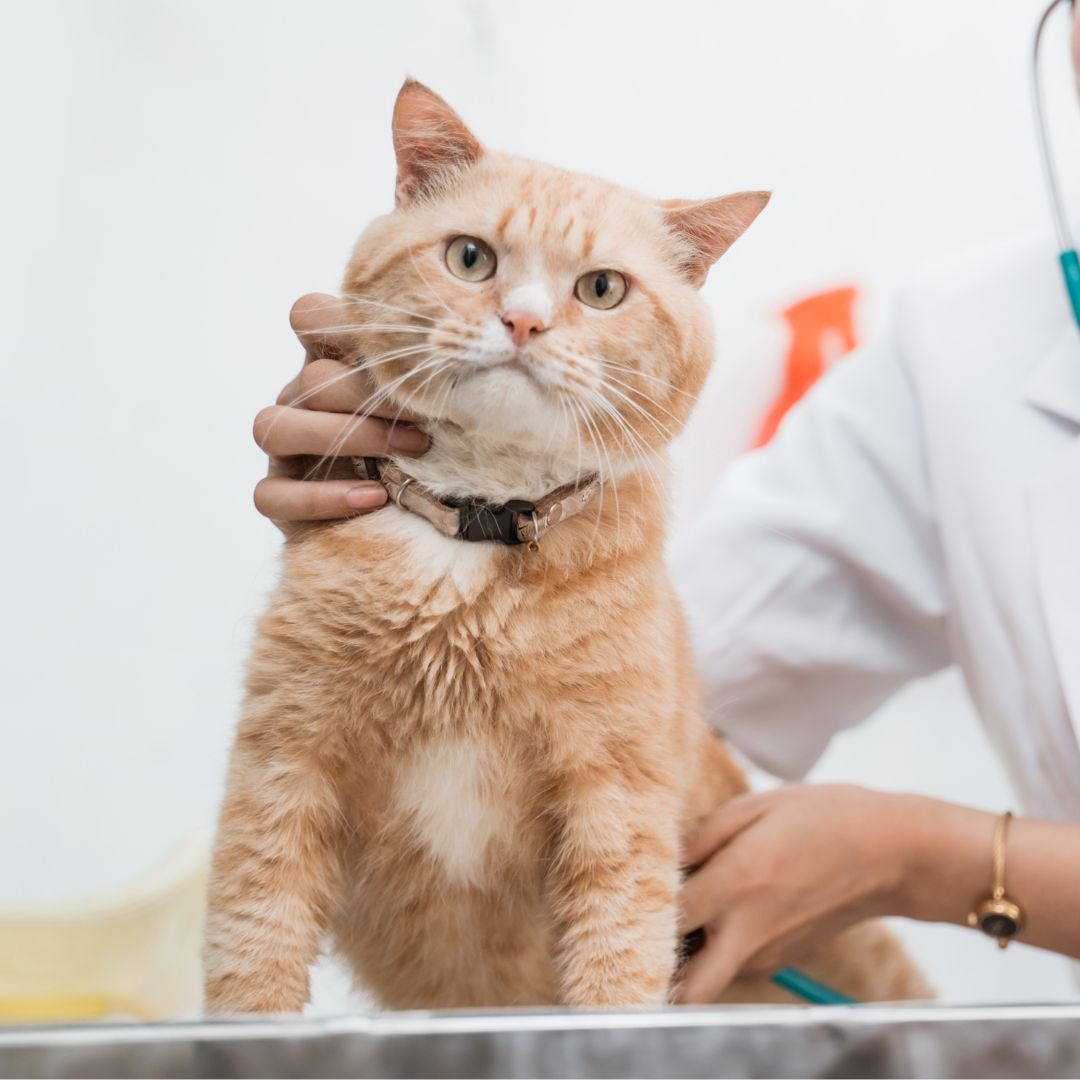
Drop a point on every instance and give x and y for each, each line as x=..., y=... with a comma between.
x=514, y=522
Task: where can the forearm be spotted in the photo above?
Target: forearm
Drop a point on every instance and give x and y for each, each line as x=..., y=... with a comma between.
x=948, y=867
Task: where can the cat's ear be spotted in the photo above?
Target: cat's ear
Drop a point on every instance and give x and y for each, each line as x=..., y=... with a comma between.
x=431, y=141
x=706, y=229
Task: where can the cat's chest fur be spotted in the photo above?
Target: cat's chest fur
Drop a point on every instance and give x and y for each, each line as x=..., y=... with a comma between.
x=455, y=802
x=450, y=787
x=426, y=558
x=431, y=632
x=459, y=673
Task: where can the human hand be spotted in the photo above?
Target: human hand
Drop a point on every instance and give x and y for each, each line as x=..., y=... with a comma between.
x=779, y=872
x=318, y=414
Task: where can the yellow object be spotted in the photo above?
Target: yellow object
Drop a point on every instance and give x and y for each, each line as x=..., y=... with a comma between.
x=131, y=951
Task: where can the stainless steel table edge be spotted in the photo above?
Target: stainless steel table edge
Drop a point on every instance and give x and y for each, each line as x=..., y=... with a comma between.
x=870, y=1040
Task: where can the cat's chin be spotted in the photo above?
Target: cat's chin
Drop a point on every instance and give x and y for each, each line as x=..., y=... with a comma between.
x=463, y=462
x=508, y=404
x=504, y=434
x=502, y=409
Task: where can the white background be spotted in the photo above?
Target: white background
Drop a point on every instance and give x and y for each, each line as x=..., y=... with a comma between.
x=176, y=173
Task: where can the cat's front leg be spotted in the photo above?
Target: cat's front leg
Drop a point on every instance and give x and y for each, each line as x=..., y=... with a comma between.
x=615, y=880
x=274, y=875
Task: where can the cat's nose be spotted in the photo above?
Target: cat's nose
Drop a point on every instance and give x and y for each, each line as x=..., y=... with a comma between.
x=521, y=325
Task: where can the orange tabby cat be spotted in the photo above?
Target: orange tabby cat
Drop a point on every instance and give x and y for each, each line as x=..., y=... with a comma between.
x=468, y=763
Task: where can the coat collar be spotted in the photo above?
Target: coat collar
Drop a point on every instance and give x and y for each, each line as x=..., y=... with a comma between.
x=1054, y=385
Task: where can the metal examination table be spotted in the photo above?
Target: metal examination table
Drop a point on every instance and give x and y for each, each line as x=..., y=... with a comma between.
x=750, y=1041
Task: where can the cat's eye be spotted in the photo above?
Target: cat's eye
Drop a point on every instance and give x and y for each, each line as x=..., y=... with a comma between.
x=601, y=288
x=470, y=259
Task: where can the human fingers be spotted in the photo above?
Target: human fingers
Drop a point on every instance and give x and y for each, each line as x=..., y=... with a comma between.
x=333, y=378
x=721, y=827
x=705, y=893
x=328, y=386
x=282, y=432
x=283, y=499
x=317, y=320
x=708, y=972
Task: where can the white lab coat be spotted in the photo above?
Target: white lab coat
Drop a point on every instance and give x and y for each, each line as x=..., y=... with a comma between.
x=920, y=508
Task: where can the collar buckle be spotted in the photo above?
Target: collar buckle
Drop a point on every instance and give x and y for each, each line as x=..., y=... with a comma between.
x=481, y=520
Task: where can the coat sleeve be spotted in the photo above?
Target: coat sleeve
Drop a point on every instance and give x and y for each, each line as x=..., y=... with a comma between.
x=813, y=578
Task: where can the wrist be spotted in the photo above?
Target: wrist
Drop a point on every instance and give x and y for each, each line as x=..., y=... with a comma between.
x=945, y=859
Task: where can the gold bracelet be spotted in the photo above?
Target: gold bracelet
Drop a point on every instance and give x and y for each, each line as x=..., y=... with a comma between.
x=999, y=916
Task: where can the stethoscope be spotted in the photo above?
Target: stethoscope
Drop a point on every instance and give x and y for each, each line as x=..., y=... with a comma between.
x=1070, y=264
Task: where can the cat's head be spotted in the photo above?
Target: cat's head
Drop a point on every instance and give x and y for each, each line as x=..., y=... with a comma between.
x=531, y=309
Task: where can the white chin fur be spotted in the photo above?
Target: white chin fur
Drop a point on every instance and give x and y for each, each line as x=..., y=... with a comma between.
x=462, y=463
x=506, y=405
x=501, y=435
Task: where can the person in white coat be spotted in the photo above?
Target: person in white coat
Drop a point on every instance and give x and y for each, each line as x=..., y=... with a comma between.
x=920, y=508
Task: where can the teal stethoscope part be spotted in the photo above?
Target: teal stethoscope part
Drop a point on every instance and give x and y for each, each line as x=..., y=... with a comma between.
x=1070, y=265
x=795, y=982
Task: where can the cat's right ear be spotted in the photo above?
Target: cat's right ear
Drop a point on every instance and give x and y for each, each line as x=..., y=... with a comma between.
x=431, y=141
x=707, y=228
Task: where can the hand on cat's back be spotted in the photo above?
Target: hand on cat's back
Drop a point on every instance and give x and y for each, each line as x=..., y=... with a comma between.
x=321, y=414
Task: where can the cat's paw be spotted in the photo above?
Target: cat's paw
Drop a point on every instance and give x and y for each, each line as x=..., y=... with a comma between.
x=229, y=998
x=611, y=994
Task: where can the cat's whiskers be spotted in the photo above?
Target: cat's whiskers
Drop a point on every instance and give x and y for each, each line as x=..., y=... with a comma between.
x=356, y=298
x=356, y=420
x=609, y=379
x=560, y=425
x=394, y=354
x=374, y=403
x=577, y=409
x=575, y=383
x=572, y=378
x=430, y=288
x=356, y=328
x=644, y=375
x=641, y=454
x=601, y=445
x=444, y=398
x=639, y=410
x=414, y=395
x=435, y=361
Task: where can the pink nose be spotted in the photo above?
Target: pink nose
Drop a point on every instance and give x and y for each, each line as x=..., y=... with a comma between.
x=522, y=325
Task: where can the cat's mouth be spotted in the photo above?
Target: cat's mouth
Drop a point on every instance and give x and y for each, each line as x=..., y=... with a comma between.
x=515, y=366
x=521, y=367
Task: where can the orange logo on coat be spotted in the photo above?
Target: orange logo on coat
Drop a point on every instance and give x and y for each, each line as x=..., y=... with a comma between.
x=822, y=331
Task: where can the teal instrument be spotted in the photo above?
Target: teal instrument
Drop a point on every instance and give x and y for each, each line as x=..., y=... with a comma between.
x=1070, y=267
x=801, y=985
x=791, y=979
x=1070, y=264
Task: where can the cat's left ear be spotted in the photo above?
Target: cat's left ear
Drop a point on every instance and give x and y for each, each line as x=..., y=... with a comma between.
x=706, y=229
x=431, y=141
